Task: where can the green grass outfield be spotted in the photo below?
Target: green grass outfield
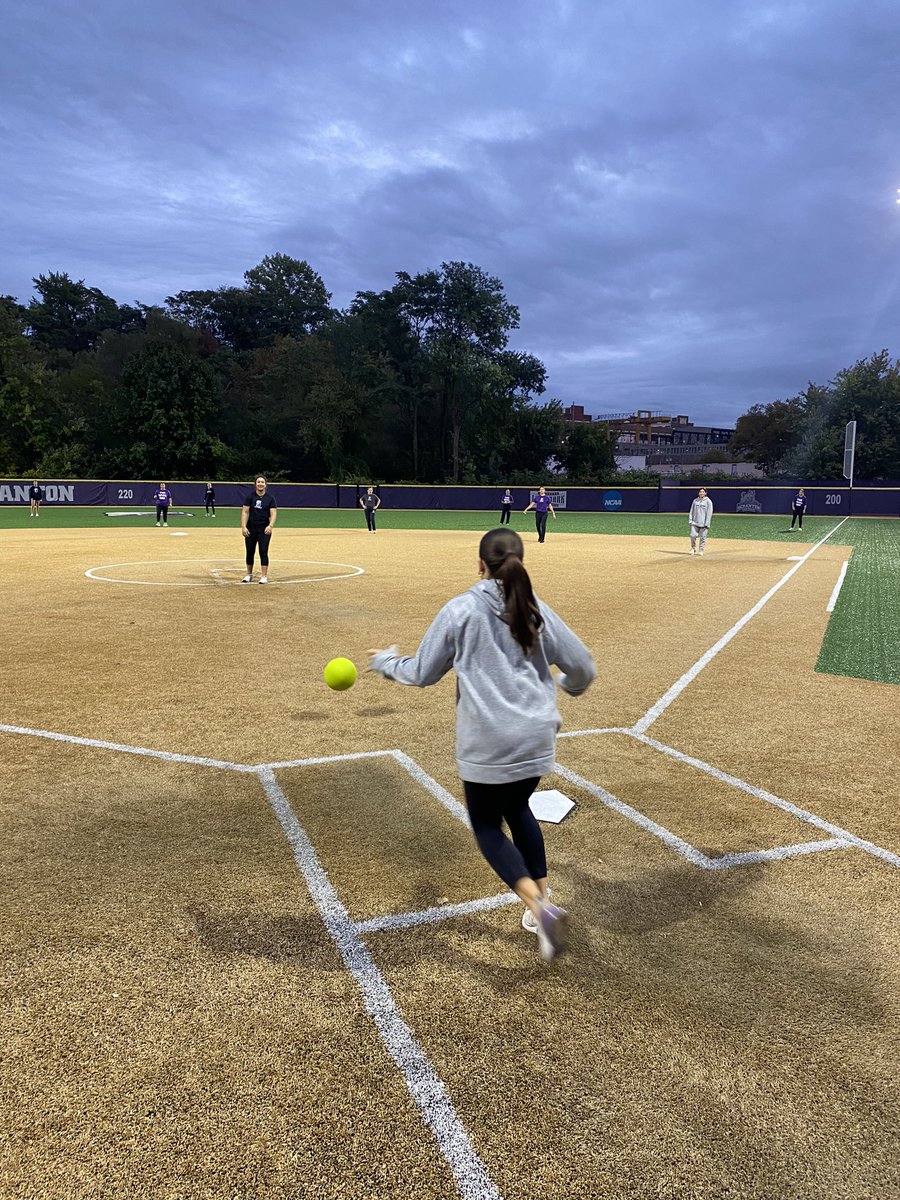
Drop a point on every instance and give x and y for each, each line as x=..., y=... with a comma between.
x=863, y=635
x=755, y=528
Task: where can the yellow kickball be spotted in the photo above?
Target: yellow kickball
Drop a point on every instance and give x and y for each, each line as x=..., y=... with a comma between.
x=339, y=674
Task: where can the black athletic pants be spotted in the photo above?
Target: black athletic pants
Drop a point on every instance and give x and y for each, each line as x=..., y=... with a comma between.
x=256, y=537
x=370, y=518
x=540, y=520
x=211, y=504
x=162, y=514
x=797, y=515
x=490, y=804
x=504, y=513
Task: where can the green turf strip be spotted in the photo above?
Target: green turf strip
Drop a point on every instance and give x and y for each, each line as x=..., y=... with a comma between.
x=863, y=636
x=744, y=528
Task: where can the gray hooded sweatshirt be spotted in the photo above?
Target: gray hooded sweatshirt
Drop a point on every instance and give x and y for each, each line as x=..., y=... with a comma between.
x=506, y=714
x=701, y=513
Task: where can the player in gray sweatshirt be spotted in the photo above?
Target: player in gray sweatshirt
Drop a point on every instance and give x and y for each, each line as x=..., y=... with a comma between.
x=700, y=520
x=502, y=641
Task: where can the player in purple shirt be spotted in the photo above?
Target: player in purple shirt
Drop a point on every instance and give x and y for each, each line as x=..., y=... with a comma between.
x=162, y=498
x=506, y=503
x=798, y=508
x=541, y=505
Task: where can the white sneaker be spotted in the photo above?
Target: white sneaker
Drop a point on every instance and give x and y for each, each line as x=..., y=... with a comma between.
x=700, y=552
x=263, y=579
x=552, y=928
x=247, y=579
x=693, y=552
x=529, y=921
x=157, y=524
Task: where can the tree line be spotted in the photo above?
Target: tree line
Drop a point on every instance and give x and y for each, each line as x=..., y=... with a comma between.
x=803, y=437
x=414, y=383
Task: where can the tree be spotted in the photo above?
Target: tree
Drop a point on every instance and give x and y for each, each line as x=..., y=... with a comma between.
x=29, y=416
x=282, y=297
x=167, y=399
x=766, y=433
x=71, y=317
x=587, y=454
x=464, y=320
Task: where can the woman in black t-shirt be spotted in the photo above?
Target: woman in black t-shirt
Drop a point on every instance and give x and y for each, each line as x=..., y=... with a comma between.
x=257, y=522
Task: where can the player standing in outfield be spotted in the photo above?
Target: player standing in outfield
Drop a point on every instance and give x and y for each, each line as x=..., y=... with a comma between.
x=258, y=517
x=35, y=495
x=162, y=498
x=700, y=518
x=506, y=503
x=501, y=641
x=210, y=500
x=798, y=508
x=371, y=504
x=541, y=505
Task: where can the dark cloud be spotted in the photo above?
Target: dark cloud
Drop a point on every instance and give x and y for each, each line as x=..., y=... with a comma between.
x=692, y=205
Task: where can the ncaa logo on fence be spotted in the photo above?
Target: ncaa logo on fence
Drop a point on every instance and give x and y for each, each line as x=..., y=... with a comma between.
x=612, y=500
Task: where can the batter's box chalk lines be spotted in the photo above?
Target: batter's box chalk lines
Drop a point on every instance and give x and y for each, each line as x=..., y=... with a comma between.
x=801, y=814
x=778, y=852
x=424, y=1086
x=690, y=675
x=431, y=916
x=679, y=845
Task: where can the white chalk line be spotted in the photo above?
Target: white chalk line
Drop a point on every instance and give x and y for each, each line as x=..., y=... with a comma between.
x=431, y=916
x=801, y=814
x=829, y=607
x=351, y=572
x=672, y=840
x=166, y=755
x=746, y=857
x=425, y=1087
x=656, y=710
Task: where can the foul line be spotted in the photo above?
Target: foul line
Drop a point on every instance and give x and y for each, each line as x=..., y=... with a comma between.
x=142, y=750
x=690, y=675
x=424, y=1086
x=829, y=607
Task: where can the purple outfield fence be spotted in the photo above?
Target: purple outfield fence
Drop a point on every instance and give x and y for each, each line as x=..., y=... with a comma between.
x=825, y=499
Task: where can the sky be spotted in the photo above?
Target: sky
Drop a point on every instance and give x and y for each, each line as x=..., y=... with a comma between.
x=693, y=205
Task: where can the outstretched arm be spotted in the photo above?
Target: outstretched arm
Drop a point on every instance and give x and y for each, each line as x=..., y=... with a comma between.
x=431, y=662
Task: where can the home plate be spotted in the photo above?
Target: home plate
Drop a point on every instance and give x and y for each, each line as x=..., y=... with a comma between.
x=551, y=805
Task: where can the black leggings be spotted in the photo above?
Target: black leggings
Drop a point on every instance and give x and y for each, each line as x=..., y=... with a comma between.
x=162, y=511
x=504, y=513
x=540, y=522
x=797, y=515
x=256, y=537
x=211, y=504
x=490, y=804
x=370, y=518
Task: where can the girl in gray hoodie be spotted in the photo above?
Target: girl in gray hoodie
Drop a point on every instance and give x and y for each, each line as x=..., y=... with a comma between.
x=501, y=641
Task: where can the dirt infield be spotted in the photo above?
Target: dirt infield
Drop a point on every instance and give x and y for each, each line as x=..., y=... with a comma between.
x=224, y=979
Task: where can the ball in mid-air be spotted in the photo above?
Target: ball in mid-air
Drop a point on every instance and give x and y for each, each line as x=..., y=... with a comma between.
x=339, y=674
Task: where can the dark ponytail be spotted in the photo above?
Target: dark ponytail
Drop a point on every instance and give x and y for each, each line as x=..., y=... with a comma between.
x=502, y=552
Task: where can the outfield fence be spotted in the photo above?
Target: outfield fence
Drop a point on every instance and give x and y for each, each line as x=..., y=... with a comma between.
x=824, y=498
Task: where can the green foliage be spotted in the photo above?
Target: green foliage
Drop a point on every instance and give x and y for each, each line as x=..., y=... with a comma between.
x=587, y=455
x=415, y=382
x=804, y=437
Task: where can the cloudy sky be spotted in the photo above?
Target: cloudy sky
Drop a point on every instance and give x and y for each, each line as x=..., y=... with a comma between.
x=692, y=202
